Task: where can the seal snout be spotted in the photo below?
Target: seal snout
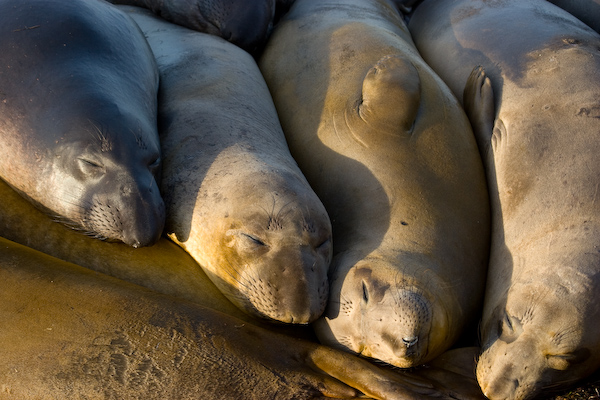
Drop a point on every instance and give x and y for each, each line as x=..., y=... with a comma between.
x=144, y=227
x=288, y=283
x=127, y=212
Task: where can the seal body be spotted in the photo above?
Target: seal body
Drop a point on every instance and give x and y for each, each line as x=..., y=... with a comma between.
x=242, y=22
x=390, y=153
x=236, y=200
x=78, y=127
x=534, y=107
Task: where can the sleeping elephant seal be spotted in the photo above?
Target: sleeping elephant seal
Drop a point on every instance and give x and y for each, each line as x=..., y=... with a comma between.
x=242, y=22
x=391, y=154
x=236, y=200
x=78, y=127
x=535, y=108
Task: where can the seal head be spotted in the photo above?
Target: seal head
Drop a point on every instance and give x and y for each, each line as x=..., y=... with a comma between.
x=379, y=313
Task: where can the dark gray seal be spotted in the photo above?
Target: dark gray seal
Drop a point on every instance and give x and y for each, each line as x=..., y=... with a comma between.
x=78, y=117
x=242, y=22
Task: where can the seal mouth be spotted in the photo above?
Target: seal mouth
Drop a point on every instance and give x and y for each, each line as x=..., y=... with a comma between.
x=141, y=226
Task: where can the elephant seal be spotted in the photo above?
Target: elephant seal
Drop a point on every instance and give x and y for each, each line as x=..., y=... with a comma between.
x=235, y=198
x=242, y=22
x=78, y=127
x=96, y=313
x=389, y=151
x=534, y=107
x=69, y=332
x=587, y=11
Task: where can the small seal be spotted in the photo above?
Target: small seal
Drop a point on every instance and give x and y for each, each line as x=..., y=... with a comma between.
x=78, y=127
x=533, y=102
x=236, y=200
x=390, y=152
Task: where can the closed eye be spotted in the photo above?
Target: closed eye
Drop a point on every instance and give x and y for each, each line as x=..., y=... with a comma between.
x=89, y=167
x=254, y=239
x=563, y=361
x=325, y=243
x=155, y=163
x=365, y=292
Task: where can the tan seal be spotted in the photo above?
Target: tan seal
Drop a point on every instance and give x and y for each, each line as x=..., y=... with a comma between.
x=236, y=200
x=535, y=107
x=389, y=151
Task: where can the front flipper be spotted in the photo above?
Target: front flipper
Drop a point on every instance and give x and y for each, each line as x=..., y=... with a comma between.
x=391, y=95
x=478, y=101
x=375, y=382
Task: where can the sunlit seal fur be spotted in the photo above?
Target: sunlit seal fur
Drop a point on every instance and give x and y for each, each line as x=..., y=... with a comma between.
x=390, y=153
x=78, y=133
x=236, y=200
x=534, y=104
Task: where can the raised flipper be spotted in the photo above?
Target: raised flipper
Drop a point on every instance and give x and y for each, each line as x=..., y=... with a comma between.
x=391, y=95
x=478, y=101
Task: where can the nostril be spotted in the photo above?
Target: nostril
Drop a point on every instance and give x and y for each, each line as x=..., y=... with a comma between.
x=410, y=341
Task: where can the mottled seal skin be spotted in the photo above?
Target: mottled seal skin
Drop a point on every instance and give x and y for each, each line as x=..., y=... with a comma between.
x=391, y=154
x=103, y=337
x=236, y=200
x=78, y=127
x=242, y=22
x=587, y=11
x=534, y=104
